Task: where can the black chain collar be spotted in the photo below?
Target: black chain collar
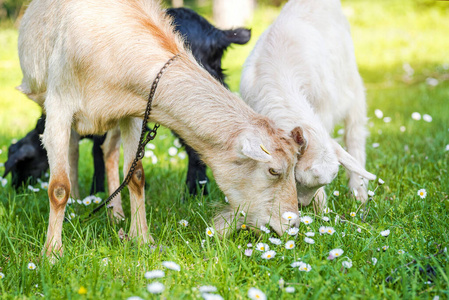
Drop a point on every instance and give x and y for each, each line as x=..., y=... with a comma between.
x=143, y=140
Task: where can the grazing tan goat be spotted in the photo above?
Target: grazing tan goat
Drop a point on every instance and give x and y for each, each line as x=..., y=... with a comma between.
x=302, y=72
x=90, y=64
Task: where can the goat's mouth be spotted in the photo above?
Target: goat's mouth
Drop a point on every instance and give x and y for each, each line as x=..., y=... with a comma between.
x=306, y=194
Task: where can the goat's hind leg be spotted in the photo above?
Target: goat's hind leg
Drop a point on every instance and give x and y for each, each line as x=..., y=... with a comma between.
x=111, y=150
x=56, y=139
x=130, y=130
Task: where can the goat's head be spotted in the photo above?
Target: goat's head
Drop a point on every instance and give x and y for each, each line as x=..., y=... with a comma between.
x=27, y=159
x=319, y=162
x=259, y=180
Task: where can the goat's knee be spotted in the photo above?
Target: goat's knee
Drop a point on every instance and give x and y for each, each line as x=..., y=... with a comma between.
x=58, y=192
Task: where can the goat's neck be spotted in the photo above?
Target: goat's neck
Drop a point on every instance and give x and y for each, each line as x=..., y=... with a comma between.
x=206, y=115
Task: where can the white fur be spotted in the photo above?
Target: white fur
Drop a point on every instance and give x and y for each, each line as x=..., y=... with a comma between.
x=302, y=72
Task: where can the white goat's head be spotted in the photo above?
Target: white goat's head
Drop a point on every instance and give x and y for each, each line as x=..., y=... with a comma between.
x=259, y=181
x=318, y=164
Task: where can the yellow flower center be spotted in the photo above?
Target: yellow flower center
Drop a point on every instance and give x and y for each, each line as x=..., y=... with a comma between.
x=262, y=248
x=337, y=254
x=257, y=296
x=269, y=256
x=243, y=226
x=209, y=232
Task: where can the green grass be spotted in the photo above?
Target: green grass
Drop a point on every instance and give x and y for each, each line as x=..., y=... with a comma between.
x=387, y=34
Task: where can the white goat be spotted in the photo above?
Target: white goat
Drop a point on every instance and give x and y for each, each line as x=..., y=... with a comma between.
x=90, y=65
x=302, y=72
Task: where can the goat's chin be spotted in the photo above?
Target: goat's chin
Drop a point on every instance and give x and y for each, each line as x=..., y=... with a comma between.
x=305, y=194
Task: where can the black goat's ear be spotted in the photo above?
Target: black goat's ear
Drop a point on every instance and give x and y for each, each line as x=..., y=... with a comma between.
x=24, y=152
x=239, y=36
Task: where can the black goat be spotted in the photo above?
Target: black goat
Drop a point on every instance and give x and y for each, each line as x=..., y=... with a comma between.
x=27, y=159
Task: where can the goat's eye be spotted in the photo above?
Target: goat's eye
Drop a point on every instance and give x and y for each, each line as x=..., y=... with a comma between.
x=273, y=172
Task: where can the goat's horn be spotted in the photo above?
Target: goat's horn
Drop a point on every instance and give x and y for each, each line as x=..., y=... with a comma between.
x=264, y=149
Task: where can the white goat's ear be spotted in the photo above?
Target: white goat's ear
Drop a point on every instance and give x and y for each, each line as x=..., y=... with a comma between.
x=298, y=136
x=251, y=146
x=350, y=163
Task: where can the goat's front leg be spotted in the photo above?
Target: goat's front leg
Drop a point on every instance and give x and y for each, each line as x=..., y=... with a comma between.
x=355, y=139
x=111, y=150
x=74, y=159
x=56, y=139
x=130, y=129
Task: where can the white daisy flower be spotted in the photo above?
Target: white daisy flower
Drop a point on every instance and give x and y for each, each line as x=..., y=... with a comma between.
x=379, y=114
x=370, y=193
x=210, y=231
x=447, y=147
x=322, y=230
x=226, y=199
x=31, y=188
x=290, y=245
x=184, y=223
x=134, y=298
x=422, y=193
x=171, y=265
x=155, y=288
x=352, y=214
x=309, y=240
x=207, y=296
x=151, y=146
x=359, y=230
x=385, y=247
x=31, y=266
x=336, y=252
x=256, y=294
x=275, y=241
x=97, y=200
x=374, y=260
x=401, y=252
x=172, y=151
x=293, y=231
x=432, y=81
x=149, y=153
x=385, y=232
x=380, y=181
x=105, y=261
x=330, y=230
x=307, y=220
x=154, y=274
x=336, y=193
x=44, y=185
x=416, y=116
x=248, y=252
x=182, y=155
x=71, y=216
x=264, y=229
x=177, y=143
x=290, y=289
x=2, y=275
x=343, y=234
x=310, y=233
x=71, y=201
x=304, y=267
x=326, y=219
x=268, y=254
x=154, y=159
x=262, y=247
x=243, y=226
x=87, y=201
x=427, y=118
x=249, y=245
x=347, y=264
x=3, y=181
x=207, y=289
x=387, y=119
x=295, y=264
x=327, y=210
x=402, y=128
x=289, y=216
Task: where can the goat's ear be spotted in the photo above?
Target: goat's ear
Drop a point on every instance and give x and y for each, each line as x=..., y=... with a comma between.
x=24, y=152
x=350, y=163
x=298, y=136
x=251, y=146
x=239, y=36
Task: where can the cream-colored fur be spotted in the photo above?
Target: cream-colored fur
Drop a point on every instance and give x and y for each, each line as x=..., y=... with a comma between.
x=91, y=63
x=302, y=72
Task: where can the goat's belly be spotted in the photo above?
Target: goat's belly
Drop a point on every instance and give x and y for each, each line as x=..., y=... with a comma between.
x=98, y=125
